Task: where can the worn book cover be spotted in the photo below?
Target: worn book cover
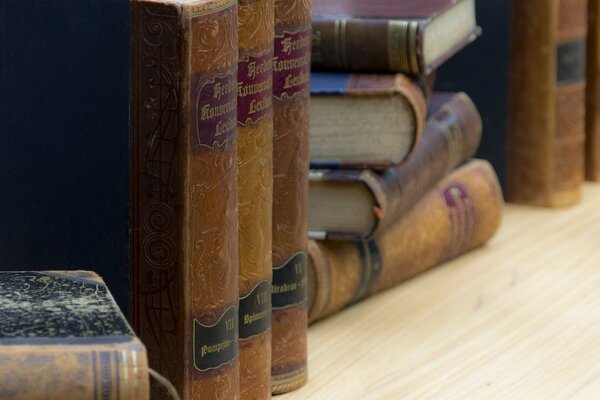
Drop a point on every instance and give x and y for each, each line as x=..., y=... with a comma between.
x=461, y=212
x=351, y=204
x=345, y=107
x=408, y=36
x=255, y=164
x=545, y=163
x=62, y=336
x=592, y=119
x=184, y=197
x=291, y=75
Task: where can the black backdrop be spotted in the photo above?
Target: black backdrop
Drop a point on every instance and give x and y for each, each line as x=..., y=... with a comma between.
x=63, y=124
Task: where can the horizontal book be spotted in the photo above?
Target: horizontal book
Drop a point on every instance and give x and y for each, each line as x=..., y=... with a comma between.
x=62, y=337
x=357, y=203
x=408, y=36
x=364, y=120
x=460, y=213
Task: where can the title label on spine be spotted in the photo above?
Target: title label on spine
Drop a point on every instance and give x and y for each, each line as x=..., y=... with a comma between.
x=255, y=88
x=289, y=282
x=255, y=311
x=216, y=345
x=291, y=63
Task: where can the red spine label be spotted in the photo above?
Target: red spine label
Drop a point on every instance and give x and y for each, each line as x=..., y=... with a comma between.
x=291, y=63
x=215, y=102
x=255, y=85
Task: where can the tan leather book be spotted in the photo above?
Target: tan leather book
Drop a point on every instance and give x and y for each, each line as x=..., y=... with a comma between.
x=545, y=159
x=255, y=164
x=358, y=203
x=408, y=36
x=62, y=336
x=346, y=107
x=291, y=75
x=184, y=197
x=460, y=213
x=592, y=120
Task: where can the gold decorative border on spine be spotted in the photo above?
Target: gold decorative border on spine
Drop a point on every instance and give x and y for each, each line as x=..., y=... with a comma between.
x=205, y=8
x=290, y=382
x=402, y=46
x=339, y=33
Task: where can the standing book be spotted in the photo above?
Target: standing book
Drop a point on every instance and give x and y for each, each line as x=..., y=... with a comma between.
x=183, y=188
x=291, y=75
x=545, y=163
x=62, y=337
x=255, y=162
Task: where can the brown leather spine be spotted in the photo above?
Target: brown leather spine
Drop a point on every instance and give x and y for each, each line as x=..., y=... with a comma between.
x=592, y=125
x=350, y=44
x=547, y=90
x=460, y=213
x=451, y=135
x=255, y=160
x=184, y=220
x=74, y=371
x=291, y=73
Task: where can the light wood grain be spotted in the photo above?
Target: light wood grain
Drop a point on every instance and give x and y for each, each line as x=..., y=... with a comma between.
x=517, y=319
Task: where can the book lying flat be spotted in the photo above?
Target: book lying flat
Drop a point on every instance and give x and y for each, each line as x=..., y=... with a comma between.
x=62, y=336
x=460, y=213
x=350, y=204
x=408, y=36
x=364, y=120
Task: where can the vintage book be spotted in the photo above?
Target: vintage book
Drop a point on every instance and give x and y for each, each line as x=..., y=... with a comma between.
x=460, y=213
x=255, y=194
x=545, y=160
x=346, y=107
x=592, y=118
x=408, y=36
x=62, y=336
x=291, y=97
x=351, y=204
x=184, y=197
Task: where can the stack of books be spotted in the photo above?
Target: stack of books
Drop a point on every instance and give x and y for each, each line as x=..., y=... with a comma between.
x=392, y=188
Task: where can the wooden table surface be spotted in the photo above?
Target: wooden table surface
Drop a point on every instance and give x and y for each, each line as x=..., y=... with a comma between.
x=516, y=319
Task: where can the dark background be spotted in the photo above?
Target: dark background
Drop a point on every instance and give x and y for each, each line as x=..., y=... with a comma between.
x=64, y=128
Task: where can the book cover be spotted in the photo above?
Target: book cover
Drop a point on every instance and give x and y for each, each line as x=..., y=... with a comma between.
x=545, y=161
x=255, y=181
x=451, y=135
x=291, y=75
x=63, y=336
x=460, y=213
x=184, y=197
x=345, y=107
x=408, y=36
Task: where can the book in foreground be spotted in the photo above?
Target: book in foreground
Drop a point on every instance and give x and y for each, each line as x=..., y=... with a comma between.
x=408, y=36
x=545, y=164
x=255, y=194
x=364, y=120
x=291, y=97
x=62, y=336
x=351, y=204
x=460, y=213
x=183, y=188
x=592, y=115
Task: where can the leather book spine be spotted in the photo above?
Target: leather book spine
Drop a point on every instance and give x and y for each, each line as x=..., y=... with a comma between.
x=592, y=124
x=361, y=44
x=255, y=185
x=545, y=161
x=291, y=76
x=184, y=197
x=451, y=135
x=460, y=213
x=71, y=370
